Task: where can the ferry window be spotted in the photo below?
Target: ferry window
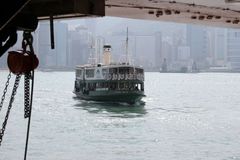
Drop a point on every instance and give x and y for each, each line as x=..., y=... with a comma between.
x=79, y=73
x=121, y=85
x=127, y=85
x=92, y=86
x=142, y=87
x=81, y=85
x=104, y=72
x=131, y=86
x=136, y=86
x=137, y=71
x=131, y=70
x=124, y=70
x=89, y=73
x=112, y=86
x=105, y=85
x=121, y=71
x=113, y=70
x=77, y=86
x=100, y=85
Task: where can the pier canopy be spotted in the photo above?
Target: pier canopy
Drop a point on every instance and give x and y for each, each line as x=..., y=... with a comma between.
x=219, y=13
x=25, y=14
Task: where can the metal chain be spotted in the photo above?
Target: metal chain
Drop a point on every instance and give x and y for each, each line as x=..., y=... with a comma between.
x=28, y=41
x=14, y=91
x=27, y=95
x=5, y=91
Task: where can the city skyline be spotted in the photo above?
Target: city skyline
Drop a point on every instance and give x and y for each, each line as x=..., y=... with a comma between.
x=150, y=43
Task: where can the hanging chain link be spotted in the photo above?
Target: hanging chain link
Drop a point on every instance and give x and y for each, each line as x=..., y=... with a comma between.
x=27, y=42
x=5, y=91
x=14, y=91
x=27, y=95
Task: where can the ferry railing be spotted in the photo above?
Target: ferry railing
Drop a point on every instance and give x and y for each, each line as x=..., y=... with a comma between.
x=112, y=76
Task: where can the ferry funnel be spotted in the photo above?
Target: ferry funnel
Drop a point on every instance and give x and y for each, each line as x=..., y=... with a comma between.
x=107, y=54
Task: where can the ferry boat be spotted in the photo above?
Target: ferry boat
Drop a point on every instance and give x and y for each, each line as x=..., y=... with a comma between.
x=110, y=82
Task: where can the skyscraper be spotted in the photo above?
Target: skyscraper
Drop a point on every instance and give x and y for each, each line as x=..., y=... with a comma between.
x=220, y=49
x=197, y=41
x=61, y=39
x=56, y=57
x=158, y=50
x=233, y=48
x=79, y=46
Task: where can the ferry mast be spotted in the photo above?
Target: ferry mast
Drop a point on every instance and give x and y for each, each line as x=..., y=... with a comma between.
x=127, y=56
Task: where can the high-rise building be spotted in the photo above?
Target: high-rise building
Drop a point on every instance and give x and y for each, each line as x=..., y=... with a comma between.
x=145, y=51
x=220, y=50
x=167, y=52
x=197, y=40
x=79, y=46
x=178, y=40
x=211, y=40
x=158, y=50
x=233, y=48
x=61, y=39
x=56, y=57
x=44, y=49
x=183, y=53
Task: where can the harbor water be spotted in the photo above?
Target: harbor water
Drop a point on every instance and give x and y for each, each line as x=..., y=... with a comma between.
x=183, y=117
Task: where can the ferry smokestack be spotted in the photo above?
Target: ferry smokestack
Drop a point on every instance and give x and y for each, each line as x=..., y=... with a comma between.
x=107, y=54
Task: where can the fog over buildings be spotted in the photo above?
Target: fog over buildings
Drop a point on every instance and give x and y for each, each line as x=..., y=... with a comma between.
x=151, y=44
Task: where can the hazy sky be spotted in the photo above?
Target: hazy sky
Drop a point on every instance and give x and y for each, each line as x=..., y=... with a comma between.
x=104, y=26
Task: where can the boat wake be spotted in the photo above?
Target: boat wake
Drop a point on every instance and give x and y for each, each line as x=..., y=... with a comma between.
x=113, y=109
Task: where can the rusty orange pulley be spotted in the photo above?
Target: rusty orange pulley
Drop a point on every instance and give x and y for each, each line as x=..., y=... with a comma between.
x=20, y=62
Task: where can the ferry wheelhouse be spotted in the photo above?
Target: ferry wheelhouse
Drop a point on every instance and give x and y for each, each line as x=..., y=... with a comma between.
x=110, y=82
